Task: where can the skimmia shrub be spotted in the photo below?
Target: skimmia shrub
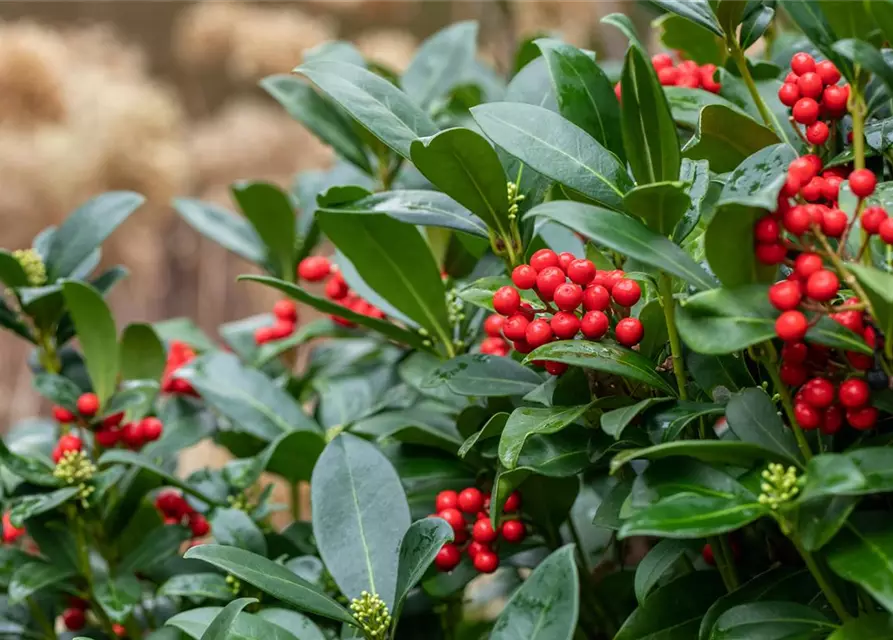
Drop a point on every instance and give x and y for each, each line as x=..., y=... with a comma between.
x=604, y=351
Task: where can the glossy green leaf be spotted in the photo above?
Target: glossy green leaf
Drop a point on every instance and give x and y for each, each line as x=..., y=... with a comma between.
x=271, y=578
x=419, y=546
x=86, y=228
x=118, y=597
x=220, y=626
x=622, y=23
x=726, y=137
x=235, y=528
x=491, y=429
x=201, y=586
x=755, y=25
x=879, y=289
x=808, y=16
x=690, y=515
x=142, y=354
x=440, y=63
x=866, y=56
x=58, y=389
x=771, y=621
x=871, y=626
x=120, y=456
x=753, y=417
x=11, y=272
x=353, y=484
x=693, y=41
x=741, y=454
x=686, y=104
x=525, y=422
x=818, y=521
x=615, y=421
x=710, y=372
x=546, y=606
x=477, y=374
x=627, y=236
x=271, y=213
x=35, y=504
x=223, y=227
x=556, y=148
x=585, y=95
x=669, y=477
x=34, y=576
x=863, y=553
x=607, y=356
x=161, y=544
x=659, y=560
x=375, y=103
x=97, y=334
x=854, y=473
x=698, y=11
x=463, y=165
x=319, y=115
x=247, y=626
x=660, y=205
x=649, y=136
x=882, y=12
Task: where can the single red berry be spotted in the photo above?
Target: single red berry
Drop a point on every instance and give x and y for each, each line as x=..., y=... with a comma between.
x=770, y=253
x=689, y=80
x=538, y=333
x=471, y=500
x=262, y=335
x=794, y=352
x=596, y=298
x=835, y=98
x=862, y=418
x=453, y=517
x=336, y=288
x=515, y=327
x=707, y=554
x=827, y=72
x=581, y=271
x=151, y=429
x=486, y=562
x=885, y=231
x=862, y=182
x=119, y=630
x=617, y=91
x=448, y=499
x=199, y=526
x=807, y=416
x=475, y=547
x=69, y=442
x=448, y=557
x=132, y=434
x=792, y=374
x=568, y=296
x=88, y=405
x=548, y=280
x=521, y=346
x=810, y=85
x=107, y=438
x=668, y=76
x=565, y=325
x=791, y=77
x=852, y=320
x=785, y=295
x=544, y=258
x=807, y=264
x=74, y=619
x=832, y=420
x=802, y=62
x=831, y=189
x=854, y=393
x=555, y=368
x=629, y=332
x=493, y=325
x=860, y=361
x=626, y=292
x=314, y=268
x=286, y=310
x=817, y=133
x=506, y=300
x=513, y=531
x=812, y=190
x=806, y=111
x=872, y=217
x=834, y=223
x=796, y=220
x=494, y=346
x=790, y=189
x=791, y=326
x=512, y=503
x=564, y=260
x=819, y=393
x=661, y=61
x=170, y=502
x=114, y=420
x=708, y=83
x=483, y=531
x=524, y=276
x=789, y=93
x=61, y=414
x=804, y=168
x=822, y=285
x=284, y=328
x=594, y=324
x=870, y=337
x=766, y=230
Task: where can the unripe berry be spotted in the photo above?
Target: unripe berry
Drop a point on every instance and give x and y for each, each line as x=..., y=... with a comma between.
x=581, y=271
x=806, y=111
x=568, y=296
x=61, y=414
x=822, y=285
x=629, y=332
x=791, y=326
x=448, y=557
x=544, y=258
x=483, y=531
x=515, y=327
x=565, y=325
x=486, y=562
x=802, y=62
x=446, y=500
x=596, y=298
x=314, y=268
x=538, y=333
x=524, y=276
x=862, y=182
x=626, y=292
x=789, y=93
x=854, y=393
x=88, y=405
x=827, y=72
x=513, y=531
x=506, y=300
x=594, y=324
x=817, y=133
x=785, y=295
x=471, y=500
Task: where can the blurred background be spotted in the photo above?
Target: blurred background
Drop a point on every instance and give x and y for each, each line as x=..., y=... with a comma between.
x=162, y=98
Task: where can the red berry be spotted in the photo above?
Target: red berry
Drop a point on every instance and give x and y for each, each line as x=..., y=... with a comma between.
x=199, y=526
x=506, y=300
x=661, y=61
x=794, y=352
x=107, y=438
x=817, y=133
x=860, y=361
x=626, y=292
x=796, y=220
x=629, y=332
x=314, y=268
x=831, y=189
x=88, y=405
x=827, y=72
x=262, y=335
x=789, y=93
x=885, y=231
x=448, y=557
x=807, y=416
x=524, y=276
x=804, y=168
x=548, y=280
x=791, y=326
x=708, y=83
x=494, y=346
x=286, y=310
x=521, y=346
x=785, y=295
x=819, y=393
x=515, y=327
x=475, y=547
x=446, y=500
x=596, y=298
x=568, y=296
x=565, y=325
x=791, y=77
x=872, y=217
x=512, y=503
x=486, y=562
x=113, y=420
x=336, y=288
x=802, y=62
x=61, y=414
x=862, y=182
x=119, y=630
x=513, y=531
x=69, y=442
x=527, y=311
x=834, y=98
x=538, y=333
x=668, y=76
x=806, y=111
x=766, y=230
x=74, y=619
x=544, y=258
x=132, y=434
x=617, y=91
x=854, y=393
x=862, y=419
x=171, y=503
x=812, y=190
x=822, y=285
x=770, y=253
x=493, y=325
x=834, y=223
x=78, y=603
x=581, y=271
x=832, y=420
x=807, y=264
x=483, y=531
x=564, y=260
x=453, y=517
x=810, y=85
x=792, y=374
x=151, y=429
x=707, y=554
x=554, y=368
x=594, y=324
x=852, y=320
x=690, y=80
x=471, y=500
x=284, y=328
x=791, y=187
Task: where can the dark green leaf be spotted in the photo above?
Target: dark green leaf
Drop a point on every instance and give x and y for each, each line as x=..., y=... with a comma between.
x=818, y=521
x=656, y=564
x=440, y=63
x=864, y=554
x=272, y=215
x=693, y=41
x=741, y=454
x=34, y=576
x=221, y=625
x=753, y=417
x=686, y=104
x=879, y=289
x=155, y=548
x=235, y=528
x=97, y=334
x=223, y=227
x=525, y=422
x=726, y=137
x=691, y=515
x=484, y=376
x=627, y=236
x=867, y=57
x=698, y=11
x=625, y=26
x=491, y=429
x=755, y=25
x=770, y=621
x=711, y=372
x=419, y=546
x=118, y=597
x=808, y=16
x=660, y=205
x=59, y=390
x=870, y=626
x=142, y=354
x=556, y=148
x=120, y=456
x=247, y=626
x=670, y=477
x=854, y=473
x=202, y=586
x=614, y=422
x=11, y=272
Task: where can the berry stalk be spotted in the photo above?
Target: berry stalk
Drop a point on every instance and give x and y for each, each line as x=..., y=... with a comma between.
x=741, y=62
x=665, y=286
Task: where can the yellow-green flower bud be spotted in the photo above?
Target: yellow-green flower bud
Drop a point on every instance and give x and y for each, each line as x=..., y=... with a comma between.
x=372, y=614
x=779, y=485
x=33, y=266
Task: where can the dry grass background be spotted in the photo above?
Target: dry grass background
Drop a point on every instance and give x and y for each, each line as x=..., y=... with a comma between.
x=162, y=98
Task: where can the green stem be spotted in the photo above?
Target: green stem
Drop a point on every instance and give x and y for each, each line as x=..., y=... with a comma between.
x=771, y=364
x=823, y=582
x=741, y=63
x=731, y=570
x=46, y=353
x=83, y=553
x=857, y=110
x=666, y=300
x=42, y=621
x=294, y=493
x=722, y=563
x=604, y=618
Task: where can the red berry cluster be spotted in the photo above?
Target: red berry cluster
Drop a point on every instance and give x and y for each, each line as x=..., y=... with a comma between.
x=494, y=344
x=820, y=404
x=469, y=508
x=10, y=532
x=285, y=313
x=176, y=511
x=108, y=431
x=178, y=355
x=319, y=268
x=582, y=297
x=812, y=92
x=75, y=616
x=686, y=73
